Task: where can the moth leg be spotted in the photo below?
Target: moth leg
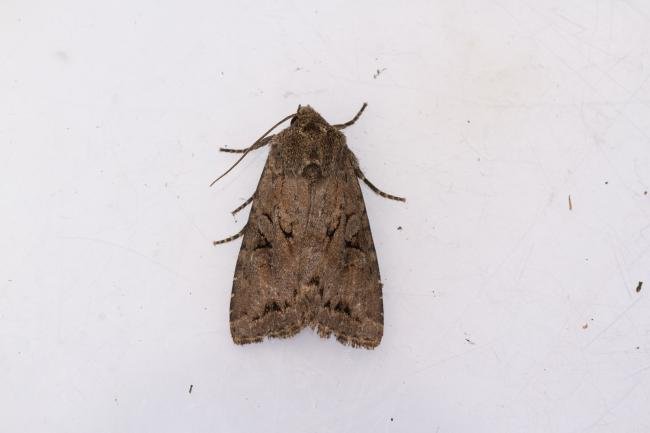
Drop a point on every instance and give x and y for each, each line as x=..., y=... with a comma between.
x=243, y=205
x=354, y=119
x=263, y=142
x=361, y=176
x=231, y=238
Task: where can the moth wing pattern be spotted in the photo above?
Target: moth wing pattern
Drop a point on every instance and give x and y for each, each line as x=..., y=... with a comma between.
x=351, y=304
x=257, y=296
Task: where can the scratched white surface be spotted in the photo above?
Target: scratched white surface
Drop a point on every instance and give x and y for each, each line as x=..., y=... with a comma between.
x=506, y=311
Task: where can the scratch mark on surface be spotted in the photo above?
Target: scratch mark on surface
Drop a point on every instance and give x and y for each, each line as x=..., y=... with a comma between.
x=127, y=249
x=609, y=409
x=612, y=323
x=637, y=372
x=620, y=268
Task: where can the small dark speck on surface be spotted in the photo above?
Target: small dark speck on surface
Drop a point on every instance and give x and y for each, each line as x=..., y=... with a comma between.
x=379, y=71
x=645, y=192
x=638, y=286
x=399, y=227
x=638, y=347
x=585, y=326
x=469, y=341
x=391, y=420
x=606, y=183
x=469, y=121
x=62, y=55
x=191, y=386
x=570, y=203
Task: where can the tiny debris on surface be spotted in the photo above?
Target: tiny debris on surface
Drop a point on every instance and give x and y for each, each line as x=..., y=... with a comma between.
x=379, y=71
x=191, y=386
x=469, y=341
x=585, y=326
x=638, y=286
x=570, y=203
x=399, y=227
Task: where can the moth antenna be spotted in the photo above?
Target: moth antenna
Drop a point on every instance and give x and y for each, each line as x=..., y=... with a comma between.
x=252, y=147
x=354, y=119
x=261, y=143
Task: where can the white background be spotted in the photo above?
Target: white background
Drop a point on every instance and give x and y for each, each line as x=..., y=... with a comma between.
x=506, y=311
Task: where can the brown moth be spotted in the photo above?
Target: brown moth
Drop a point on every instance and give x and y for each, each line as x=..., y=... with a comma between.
x=307, y=257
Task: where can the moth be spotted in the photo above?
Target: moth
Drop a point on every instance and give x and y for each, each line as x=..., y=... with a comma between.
x=307, y=258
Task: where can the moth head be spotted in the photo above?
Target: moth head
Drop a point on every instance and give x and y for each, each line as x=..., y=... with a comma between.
x=308, y=120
